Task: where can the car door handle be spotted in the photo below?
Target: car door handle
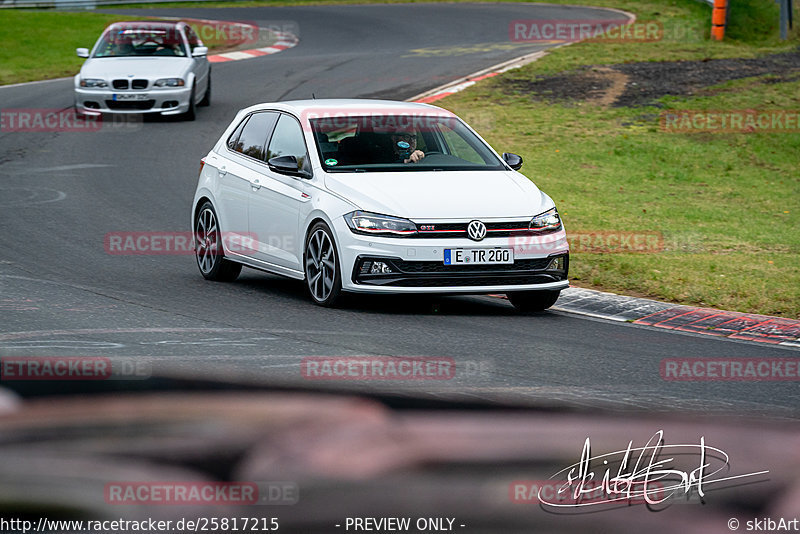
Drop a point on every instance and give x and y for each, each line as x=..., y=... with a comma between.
x=256, y=184
x=223, y=171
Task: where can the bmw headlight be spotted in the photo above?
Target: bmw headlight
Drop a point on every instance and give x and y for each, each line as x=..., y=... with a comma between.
x=170, y=82
x=93, y=82
x=548, y=221
x=363, y=222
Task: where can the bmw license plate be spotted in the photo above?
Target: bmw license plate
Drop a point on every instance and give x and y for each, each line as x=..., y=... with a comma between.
x=478, y=256
x=137, y=96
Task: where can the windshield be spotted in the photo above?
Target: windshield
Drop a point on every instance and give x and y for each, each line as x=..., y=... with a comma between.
x=136, y=42
x=399, y=143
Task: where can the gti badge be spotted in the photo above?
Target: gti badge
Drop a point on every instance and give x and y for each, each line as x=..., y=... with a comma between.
x=476, y=230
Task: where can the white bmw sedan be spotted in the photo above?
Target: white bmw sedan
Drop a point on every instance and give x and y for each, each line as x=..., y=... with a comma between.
x=375, y=196
x=144, y=67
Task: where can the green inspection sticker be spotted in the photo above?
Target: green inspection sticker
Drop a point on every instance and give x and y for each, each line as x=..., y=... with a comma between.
x=330, y=162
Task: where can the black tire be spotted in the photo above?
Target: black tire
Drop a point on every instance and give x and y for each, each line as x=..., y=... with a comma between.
x=208, y=251
x=191, y=114
x=324, y=286
x=533, y=301
x=207, y=97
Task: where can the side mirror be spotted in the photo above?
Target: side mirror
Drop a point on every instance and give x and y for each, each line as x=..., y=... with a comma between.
x=82, y=52
x=200, y=51
x=514, y=161
x=287, y=165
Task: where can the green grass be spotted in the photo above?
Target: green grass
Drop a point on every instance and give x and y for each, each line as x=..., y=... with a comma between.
x=41, y=44
x=38, y=45
x=727, y=205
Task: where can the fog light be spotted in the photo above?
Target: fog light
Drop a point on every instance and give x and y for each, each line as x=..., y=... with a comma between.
x=365, y=267
x=380, y=267
x=556, y=264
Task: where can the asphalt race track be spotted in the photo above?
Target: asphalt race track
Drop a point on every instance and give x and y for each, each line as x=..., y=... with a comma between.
x=61, y=293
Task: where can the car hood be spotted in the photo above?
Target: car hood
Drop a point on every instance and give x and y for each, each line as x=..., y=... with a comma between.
x=138, y=67
x=441, y=195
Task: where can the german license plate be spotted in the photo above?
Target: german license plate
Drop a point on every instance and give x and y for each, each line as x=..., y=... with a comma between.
x=478, y=256
x=137, y=96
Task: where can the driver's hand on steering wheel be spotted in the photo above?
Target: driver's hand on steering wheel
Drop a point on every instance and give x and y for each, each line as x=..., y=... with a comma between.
x=415, y=156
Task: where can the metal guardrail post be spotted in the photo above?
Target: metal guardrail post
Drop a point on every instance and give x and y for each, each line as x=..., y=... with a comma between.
x=786, y=17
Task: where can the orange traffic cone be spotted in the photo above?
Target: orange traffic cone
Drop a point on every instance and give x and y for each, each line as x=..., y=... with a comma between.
x=718, y=18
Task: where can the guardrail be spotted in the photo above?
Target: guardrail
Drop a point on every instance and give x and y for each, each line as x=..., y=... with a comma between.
x=78, y=4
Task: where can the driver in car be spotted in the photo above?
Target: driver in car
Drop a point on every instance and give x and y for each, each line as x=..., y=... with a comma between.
x=404, y=144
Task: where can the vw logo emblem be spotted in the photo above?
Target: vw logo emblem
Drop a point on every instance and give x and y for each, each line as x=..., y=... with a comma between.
x=476, y=230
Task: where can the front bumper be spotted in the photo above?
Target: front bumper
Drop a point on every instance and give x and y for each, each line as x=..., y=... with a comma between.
x=417, y=265
x=166, y=101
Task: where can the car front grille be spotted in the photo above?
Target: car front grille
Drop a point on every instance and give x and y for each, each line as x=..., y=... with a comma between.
x=493, y=229
x=439, y=267
x=437, y=274
x=140, y=105
x=449, y=281
x=139, y=84
x=120, y=84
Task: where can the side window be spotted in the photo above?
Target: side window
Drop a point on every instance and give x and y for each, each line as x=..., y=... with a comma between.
x=233, y=140
x=253, y=136
x=287, y=140
x=459, y=148
x=194, y=40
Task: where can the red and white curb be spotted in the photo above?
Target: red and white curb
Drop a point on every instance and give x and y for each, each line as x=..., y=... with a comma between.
x=706, y=321
x=468, y=81
x=285, y=41
x=452, y=89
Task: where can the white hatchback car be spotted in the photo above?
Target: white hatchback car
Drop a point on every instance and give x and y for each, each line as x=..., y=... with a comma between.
x=375, y=197
x=144, y=67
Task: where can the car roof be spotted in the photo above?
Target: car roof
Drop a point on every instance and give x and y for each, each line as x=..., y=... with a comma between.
x=349, y=106
x=146, y=25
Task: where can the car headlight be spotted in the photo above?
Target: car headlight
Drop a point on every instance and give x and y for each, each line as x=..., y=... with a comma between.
x=170, y=82
x=362, y=222
x=93, y=82
x=548, y=221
